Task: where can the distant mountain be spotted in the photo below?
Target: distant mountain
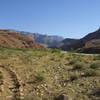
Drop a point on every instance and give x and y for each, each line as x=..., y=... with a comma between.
x=88, y=44
x=14, y=39
x=66, y=44
x=91, y=36
x=19, y=39
x=92, y=46
x=45, y=40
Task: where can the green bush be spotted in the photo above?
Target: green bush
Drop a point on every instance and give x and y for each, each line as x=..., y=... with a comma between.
x=36, y=78
x=91, y=72
x=56, y=51
x=39, y=77
x=95, y=65
x=97, y=57
x=73, y=77
x=73, y=61
x=79, y=66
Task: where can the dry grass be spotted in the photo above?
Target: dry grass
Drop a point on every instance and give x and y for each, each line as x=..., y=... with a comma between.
x=44, y=75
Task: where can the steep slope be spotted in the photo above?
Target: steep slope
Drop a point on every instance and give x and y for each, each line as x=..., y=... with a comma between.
x=92, y=46
x=15, y=39
x=46, y=40
x=88, y=44
x=65, y=44
x=91, y=36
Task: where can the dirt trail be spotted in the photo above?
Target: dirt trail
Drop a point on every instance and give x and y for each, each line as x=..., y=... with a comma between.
x=10, y=87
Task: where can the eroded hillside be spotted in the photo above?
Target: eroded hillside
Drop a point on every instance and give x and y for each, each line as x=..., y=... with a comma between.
x=15, y=39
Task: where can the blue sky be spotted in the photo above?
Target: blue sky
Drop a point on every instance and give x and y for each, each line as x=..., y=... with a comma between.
x=68, y=18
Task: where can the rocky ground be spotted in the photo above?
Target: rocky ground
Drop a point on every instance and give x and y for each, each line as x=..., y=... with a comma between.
x=48, y=75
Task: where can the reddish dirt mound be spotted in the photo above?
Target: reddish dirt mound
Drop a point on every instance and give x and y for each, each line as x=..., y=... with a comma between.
x=15, y=39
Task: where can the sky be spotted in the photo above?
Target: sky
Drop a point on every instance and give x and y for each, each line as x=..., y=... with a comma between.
x=67, y=18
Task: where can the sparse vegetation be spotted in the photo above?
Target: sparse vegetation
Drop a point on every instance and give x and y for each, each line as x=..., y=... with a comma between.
x=97, y=57
x=96, y=92
x=79, y=66
x=73, y=77
x=95, y=65
x=1, y=76
x=40, y=77
x=56, y=51
x=73, y=61
x=91, y=72
x=46, y=74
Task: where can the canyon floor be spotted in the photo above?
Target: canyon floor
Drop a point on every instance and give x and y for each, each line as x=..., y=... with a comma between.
x=27, y=74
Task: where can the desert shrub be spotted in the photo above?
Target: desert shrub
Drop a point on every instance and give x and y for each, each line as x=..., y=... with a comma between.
x=97, y=57
x=73, y=77
x=91, y=72
x=1, y=76
x=62, y=55
x=95, y=65
x=56, y=51
x=52, y=58
x=79, y=66
x=72, y=50
x=36, y=78
x=73, y=61
x=96, y=92
x=39, y=77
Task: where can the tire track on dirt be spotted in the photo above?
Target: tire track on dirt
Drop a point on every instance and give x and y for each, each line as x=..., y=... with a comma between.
x=11, y=85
